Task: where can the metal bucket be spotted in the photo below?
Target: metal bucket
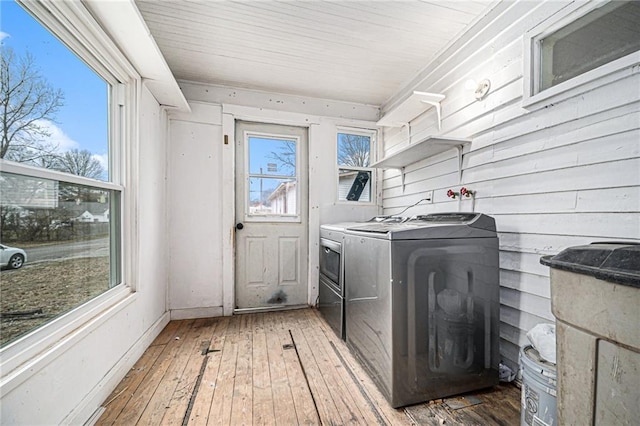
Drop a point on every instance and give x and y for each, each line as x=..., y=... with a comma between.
x=539, y=380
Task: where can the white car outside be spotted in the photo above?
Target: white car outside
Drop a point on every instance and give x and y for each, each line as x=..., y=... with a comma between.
x=12, y=257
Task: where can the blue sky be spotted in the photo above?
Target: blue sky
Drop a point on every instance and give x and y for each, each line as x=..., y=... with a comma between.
x=260, y=159
x=82, y=121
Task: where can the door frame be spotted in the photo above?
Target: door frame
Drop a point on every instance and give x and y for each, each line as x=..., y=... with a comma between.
x=231, y=113
x=282, y=280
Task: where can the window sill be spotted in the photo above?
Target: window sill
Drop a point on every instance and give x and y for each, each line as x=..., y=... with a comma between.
x=26, y=356
x=355, y=203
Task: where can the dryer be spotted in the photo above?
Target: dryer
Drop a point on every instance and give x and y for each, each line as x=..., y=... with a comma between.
x=331, y=281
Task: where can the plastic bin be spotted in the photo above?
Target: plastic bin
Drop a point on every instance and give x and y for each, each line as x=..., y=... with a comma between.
x=595, y=297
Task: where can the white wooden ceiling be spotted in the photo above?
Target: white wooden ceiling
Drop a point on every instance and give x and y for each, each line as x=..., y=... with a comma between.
x=358, y=51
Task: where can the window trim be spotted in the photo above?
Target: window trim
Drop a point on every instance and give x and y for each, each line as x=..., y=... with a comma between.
x=74, y=25
x=373, y=156
x=610, y=71
x=61, y=332
x=42, y=173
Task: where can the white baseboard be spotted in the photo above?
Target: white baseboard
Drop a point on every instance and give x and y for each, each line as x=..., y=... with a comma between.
x=192, y=313
x=87, y=411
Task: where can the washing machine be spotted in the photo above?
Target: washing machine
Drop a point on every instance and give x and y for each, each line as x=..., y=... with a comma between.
x=422, y=304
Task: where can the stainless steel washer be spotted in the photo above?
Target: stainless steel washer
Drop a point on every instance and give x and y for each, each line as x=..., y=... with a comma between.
x=422, y=304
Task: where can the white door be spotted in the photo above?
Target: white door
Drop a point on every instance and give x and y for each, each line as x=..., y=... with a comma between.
x=271, y=216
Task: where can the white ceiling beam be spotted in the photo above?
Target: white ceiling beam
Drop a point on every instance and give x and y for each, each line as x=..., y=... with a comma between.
x=125, y=25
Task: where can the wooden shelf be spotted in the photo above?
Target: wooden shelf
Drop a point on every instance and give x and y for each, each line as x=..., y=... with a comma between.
x=410, y=108
x=419, y=151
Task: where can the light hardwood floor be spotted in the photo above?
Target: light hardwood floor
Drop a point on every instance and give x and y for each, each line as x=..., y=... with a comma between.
x=278, y=368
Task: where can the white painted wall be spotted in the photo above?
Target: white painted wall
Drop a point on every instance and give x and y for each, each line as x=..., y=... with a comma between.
x=195, y=212
x=555, y=177
x=152, y=207
x=67, y=382
x=200, y=177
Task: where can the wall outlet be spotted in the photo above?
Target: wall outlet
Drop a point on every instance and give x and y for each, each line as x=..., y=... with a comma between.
x=429, y=195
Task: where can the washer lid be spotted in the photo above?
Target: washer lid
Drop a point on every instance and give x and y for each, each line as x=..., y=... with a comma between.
x=474, y=220
x=342, y=226
x=432, y=226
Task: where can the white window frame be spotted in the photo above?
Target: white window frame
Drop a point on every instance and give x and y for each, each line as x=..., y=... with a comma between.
x=276, y=218
x=532, y=98
x=373, y=135
x=72, y=23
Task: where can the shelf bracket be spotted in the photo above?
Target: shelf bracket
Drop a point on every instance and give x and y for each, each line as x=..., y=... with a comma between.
x=438, y=108
x=402, y=173
x=411, y=107
x=408, y=126
x=459, y=149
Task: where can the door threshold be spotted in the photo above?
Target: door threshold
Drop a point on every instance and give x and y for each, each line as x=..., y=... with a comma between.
x=239, y=311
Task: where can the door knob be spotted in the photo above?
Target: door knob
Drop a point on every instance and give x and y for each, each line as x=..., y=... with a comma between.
x=239, y=226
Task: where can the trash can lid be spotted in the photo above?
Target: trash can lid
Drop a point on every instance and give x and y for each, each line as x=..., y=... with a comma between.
x=617, y=262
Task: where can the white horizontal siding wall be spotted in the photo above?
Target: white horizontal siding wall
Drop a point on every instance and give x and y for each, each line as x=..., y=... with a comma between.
x=559, y=176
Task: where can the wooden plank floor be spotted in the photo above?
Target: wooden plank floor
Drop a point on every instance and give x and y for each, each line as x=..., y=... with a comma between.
x=281, y=368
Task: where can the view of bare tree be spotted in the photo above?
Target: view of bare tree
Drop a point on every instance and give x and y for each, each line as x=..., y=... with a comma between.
x=81, y=163
x=285, y=157
x=353, y=150
x=26, y=98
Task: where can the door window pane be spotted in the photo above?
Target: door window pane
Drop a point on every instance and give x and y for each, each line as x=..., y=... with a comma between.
x=273, y=196
x=597, y=38
x=275, y=157
x=272, y=178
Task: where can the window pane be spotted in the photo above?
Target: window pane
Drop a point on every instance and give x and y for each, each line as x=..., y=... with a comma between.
x=272, y=157
x=354, y=185
x=63, y=231
x=272, y=196
x=599, y=37
x=57, y=111
x=353, y=150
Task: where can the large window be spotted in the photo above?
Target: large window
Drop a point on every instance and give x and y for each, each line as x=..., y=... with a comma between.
x=590, y=42
x=355, y=177
x=60, y=193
